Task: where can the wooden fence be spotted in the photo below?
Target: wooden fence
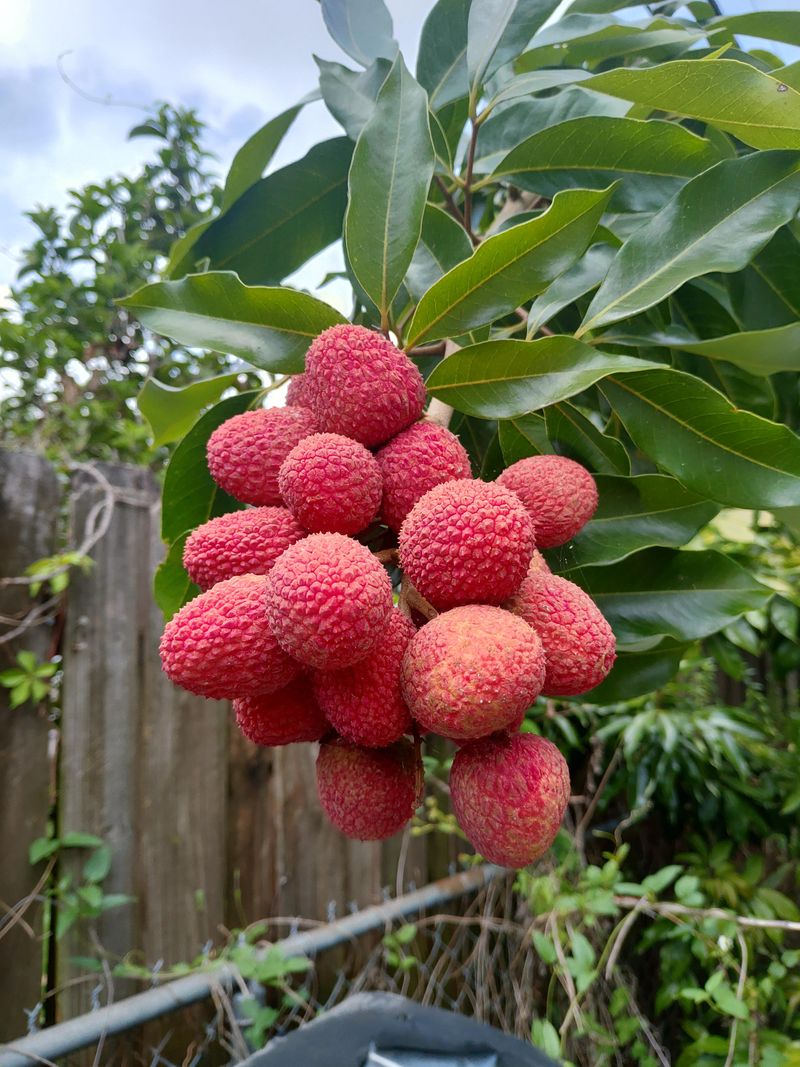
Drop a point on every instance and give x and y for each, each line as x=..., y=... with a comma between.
x=206, y=830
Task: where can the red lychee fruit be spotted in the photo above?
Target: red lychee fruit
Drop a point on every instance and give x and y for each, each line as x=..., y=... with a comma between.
x=283, y=718
x=360, y=385
x=245, y=453
x=419, y=458
x=367, y=793
x=331, y=484
x=465, y=542
x=328, y=601
x=364, y=703
x=241, y=542
x=509, y=796
x=219, y=644
x=467, y=673
x=559, y=493
x=296, y=392
x=578, y=643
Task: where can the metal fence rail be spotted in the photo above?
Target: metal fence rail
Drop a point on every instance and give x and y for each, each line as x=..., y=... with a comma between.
x=90, y=1029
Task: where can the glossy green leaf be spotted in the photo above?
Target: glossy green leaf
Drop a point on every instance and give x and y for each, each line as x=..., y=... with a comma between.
x=172, y=586
x=506, y=379
x=443, y=243
x=362, y=28
x=388, y=185
x=695, y=433
x=772, y=25
x=509, y=268
x=349, y=95
x=478, y=436
x=663, y=593
x=442, y=56
x=734, y=96
x=587, y=38
x=190, y=496
x=522, y=437
x=270, y=328
x=637, y=673
x=573, y=434
x=718, y=221
x=171, y=411
x=650, y=510
x=279, y=222
x=767, y=293
x=579, y=280
x=536, y=81
x=497, y=31
x=653, y=159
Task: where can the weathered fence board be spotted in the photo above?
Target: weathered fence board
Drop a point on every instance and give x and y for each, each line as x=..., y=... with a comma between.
x=29, y=507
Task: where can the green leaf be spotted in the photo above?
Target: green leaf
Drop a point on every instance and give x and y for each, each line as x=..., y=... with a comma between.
x=544, y=946
x=663, y=593
x=281, y=221
x=767, y=293
x=78, y=839
x=269, y=328
x=585, y=276
x=388, y=185
x=636, y=673
x=773, y=25
x=172, y=411
x=190, y=496
x=659, y=880
x=650, y=510
x=733, y=96
x=42, y=848
x=442, y=57
x=506, y=379
x=497, y=31
x=362, y=28
x=509, y=268
x=172, y=586
x=718, y=221
x=406, y=934
x=760, y=352
x=98, y=864
x=443, y=244
x=584, y=38
x=577, y=436
x=254, y=156
x=653, y=158
x=727, y=1002
x=349, y=95
x=536, y=81
x=522, y=437
x=713, y=448
x=545, y=1036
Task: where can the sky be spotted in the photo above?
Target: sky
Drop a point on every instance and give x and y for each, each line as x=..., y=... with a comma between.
x=239, y=63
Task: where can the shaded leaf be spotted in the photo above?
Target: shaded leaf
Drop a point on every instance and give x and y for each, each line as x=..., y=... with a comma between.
x=349, y=95
x=577, y=436
x=636, y=673
x=522, y=437
x=497, y=31
x=579, y=280
x=443, y=243
x=171, y=411
x=773, y=25
x=172, y=586
x=362, y=28
x=254, y=156
x=442, y=57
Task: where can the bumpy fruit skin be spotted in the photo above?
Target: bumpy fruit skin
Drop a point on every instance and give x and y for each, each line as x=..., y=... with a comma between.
x=219, y=644
x=241, y=542
x=509, y=796
x=331, y=484
x=468, y=673
x=559, y=493
x=367, y=793
x=419, y=458
x=579, y=645
x=360, y=385
x=364, y=703
x=296, y=392
x=328, y=601
x=283, y=718
x=245, y=453
x=465, y=542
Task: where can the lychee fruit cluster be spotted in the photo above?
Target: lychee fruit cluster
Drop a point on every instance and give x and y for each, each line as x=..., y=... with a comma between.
x=373, y=594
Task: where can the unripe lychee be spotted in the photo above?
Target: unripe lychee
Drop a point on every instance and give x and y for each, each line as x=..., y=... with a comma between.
x=367, y=793
x=283, y=718
x=578, y=643
x=465, y=542
x=360, y=385
x=468, y=672
x=331, y=484
x=328, y=601
x=241, y=542
x=296, y=392
x=419, y=458
x=364, y=703
x=509, y=796
x=559, y=493
x=219, y=644
x=245, y=453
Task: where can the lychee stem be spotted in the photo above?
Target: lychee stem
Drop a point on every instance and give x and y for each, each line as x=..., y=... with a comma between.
x=410, y=600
